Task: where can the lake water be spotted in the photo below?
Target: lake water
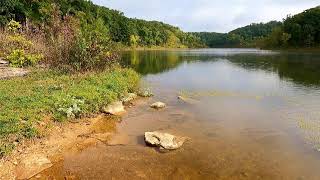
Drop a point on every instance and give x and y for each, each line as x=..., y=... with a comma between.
x=253, y=115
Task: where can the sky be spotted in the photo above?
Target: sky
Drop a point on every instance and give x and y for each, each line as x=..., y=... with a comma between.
x=209, y=15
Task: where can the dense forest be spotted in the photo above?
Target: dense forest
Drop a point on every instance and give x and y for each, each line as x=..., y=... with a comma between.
x=241, y=37
x=120, y=29
x=298, y=31
x=301, y=30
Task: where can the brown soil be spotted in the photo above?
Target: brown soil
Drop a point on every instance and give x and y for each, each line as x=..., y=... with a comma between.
x=62, y=138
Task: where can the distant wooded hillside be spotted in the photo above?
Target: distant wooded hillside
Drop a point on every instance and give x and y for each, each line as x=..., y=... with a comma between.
x=131, y=32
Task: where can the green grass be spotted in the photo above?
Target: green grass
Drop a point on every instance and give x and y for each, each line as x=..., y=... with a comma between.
x=24, y=102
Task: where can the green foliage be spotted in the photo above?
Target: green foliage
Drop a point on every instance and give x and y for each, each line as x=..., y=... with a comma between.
x=11, y=9
x=172, y=40
x=6, y=148
x=26, y=101
x=134, y=40
x=241, y=37
x=301, y=30
x=277, y=38
x=18, y=58
x=17, y=49
x=68, y=108
x=304, y=28
x=29, y=131
x=118, y=28
x=17, y=41
x=255, y=30
x=14, y=26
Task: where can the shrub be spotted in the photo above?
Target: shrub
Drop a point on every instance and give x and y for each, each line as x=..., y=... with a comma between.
x=14, y=26
x=18, y=58
x=76, y=45
x=17, y=49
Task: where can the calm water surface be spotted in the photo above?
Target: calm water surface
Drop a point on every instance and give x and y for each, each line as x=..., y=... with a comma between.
x=254, y=115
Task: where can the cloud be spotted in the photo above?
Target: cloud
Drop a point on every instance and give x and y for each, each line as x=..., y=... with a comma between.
x=209, y=15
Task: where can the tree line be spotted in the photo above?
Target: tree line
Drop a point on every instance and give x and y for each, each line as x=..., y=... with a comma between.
x=247, y=36
x=297, y=31
x=120, y=29
x=301, y=30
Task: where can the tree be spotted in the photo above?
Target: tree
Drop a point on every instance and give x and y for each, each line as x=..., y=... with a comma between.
x=134, y=40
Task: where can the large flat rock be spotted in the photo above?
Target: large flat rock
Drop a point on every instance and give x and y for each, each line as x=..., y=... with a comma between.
x=32, y=165
x=9, y=72
x=115, y=108
x=164, y=140
x=3, y=63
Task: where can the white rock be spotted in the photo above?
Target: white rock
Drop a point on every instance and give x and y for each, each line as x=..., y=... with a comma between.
x=3, y=62
x=115, y=108
x=145, y=93
x=187, y=100
x=32, y=165
x=164, y=140
x=158, y=105
x=129, y=97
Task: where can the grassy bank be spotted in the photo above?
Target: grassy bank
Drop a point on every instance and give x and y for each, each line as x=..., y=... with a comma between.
x=47, y=95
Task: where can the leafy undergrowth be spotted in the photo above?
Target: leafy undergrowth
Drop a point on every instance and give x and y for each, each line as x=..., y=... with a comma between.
x=25, y=102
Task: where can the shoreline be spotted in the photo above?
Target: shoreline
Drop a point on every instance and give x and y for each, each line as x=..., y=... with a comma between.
x=63, y=138
x=44, y=97
x=152, y=48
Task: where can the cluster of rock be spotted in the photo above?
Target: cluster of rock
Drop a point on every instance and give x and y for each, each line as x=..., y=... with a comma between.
x=117, y=108
x=164, y=141
x=145, y=93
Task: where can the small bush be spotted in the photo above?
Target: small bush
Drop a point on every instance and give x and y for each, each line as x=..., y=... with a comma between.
x=16, y=48
x=18, y=58
x=13, y=26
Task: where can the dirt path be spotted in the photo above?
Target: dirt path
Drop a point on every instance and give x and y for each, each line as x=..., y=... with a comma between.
x=8, y=72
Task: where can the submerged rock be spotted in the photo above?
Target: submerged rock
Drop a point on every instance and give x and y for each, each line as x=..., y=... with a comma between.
x=187, y=100
x=164, y=140
x=129, y=97
x=158, y=105
x=31, y=166
x=145, y=93
x=115, y=108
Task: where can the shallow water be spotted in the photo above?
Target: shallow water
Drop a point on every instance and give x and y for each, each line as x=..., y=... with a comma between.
x=254, y=115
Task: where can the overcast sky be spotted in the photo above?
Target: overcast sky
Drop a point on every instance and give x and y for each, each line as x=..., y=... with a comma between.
x=209, y=15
